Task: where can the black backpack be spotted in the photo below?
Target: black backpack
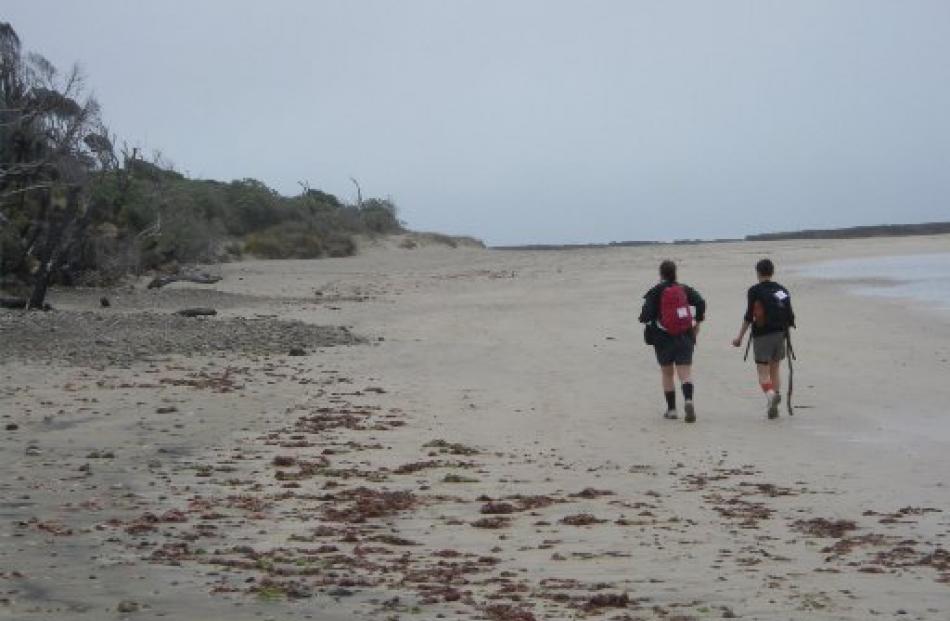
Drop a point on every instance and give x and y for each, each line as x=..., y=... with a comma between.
x=772, y=308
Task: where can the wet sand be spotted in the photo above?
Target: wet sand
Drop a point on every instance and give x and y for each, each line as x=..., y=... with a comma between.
x=489, y=448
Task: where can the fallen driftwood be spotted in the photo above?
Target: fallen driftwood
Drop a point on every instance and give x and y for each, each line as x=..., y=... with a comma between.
x=202, y=279
x=12, y=302
x=21, y=303
x=196, y=312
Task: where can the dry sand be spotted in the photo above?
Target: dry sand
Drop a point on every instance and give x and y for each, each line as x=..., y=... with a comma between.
x=491, y=449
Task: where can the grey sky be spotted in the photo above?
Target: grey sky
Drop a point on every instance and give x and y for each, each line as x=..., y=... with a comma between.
x=537, y=121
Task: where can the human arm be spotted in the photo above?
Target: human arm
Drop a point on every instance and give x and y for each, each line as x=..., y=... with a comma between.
x=695, y=300
x=650, y=308
x=737, y=342
x=791, y=313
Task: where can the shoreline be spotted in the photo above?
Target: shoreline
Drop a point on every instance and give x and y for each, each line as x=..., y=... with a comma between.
x=922, y=278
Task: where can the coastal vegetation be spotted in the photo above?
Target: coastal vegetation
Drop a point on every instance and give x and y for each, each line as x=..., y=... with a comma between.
x=75, y=207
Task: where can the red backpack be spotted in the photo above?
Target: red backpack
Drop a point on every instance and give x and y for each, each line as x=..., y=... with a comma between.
x=675, y=314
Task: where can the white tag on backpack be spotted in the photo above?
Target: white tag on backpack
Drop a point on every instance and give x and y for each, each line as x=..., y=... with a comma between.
x=781, y=295
x=682, y=312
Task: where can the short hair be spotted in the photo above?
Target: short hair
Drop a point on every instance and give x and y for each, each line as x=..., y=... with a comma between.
x=765, y=267
x=668, y=270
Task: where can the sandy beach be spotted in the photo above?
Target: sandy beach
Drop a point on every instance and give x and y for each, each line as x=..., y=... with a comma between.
x=472, y=434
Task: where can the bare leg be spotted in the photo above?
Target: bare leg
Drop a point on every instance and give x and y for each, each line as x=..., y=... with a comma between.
x=771, y=390
x=764, y=375
x=774, y=372
x=683, y=371
x=667, y=373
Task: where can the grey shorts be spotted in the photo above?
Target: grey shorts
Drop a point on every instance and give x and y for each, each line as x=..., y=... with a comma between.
x=769, y=347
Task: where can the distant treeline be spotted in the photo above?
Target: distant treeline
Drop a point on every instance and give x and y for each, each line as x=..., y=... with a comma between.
x=576, y=246
x=74, y=207
x=621, y=244
x=854, y=232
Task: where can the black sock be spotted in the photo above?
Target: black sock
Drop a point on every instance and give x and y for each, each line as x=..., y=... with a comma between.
x=670, y=399
x=688, y=391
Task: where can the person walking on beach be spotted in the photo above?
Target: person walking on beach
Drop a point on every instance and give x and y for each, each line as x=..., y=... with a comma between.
x=769, y=314
x=672, y=327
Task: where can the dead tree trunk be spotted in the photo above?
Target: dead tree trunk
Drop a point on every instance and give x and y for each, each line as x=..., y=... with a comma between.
x=45, y=256
x=12, y=302
x=197, y=312
x=202, y=279
x=59, y=232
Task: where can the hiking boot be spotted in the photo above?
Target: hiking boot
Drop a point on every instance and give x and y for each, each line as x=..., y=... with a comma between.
x=773, y=401
x=671, y=415
x=690, y=412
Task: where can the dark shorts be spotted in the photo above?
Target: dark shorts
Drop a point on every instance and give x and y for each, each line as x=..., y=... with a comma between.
x=674, y=349
x=769, y=347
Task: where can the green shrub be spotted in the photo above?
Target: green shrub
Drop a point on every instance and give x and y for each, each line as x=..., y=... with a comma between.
x=265, y=246
x=340, y=246
x=295, y=240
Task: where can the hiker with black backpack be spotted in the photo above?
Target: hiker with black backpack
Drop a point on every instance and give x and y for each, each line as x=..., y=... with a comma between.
x=769, y=314
x=672, y=327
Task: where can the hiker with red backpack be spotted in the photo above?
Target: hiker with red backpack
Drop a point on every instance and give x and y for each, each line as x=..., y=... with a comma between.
x=769, y=314
x=672, y=327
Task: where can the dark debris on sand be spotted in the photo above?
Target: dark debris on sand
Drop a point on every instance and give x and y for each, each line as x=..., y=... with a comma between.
x=101, y=339
x=822, y=527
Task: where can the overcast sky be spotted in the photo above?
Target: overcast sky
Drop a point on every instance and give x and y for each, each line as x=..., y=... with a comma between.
x=541, y=121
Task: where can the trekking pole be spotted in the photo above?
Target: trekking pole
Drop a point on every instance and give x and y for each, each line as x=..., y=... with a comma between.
x=791, y=371
x=748, y=344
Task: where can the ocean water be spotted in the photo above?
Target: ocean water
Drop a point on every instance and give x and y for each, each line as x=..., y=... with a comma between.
x=921, y=277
